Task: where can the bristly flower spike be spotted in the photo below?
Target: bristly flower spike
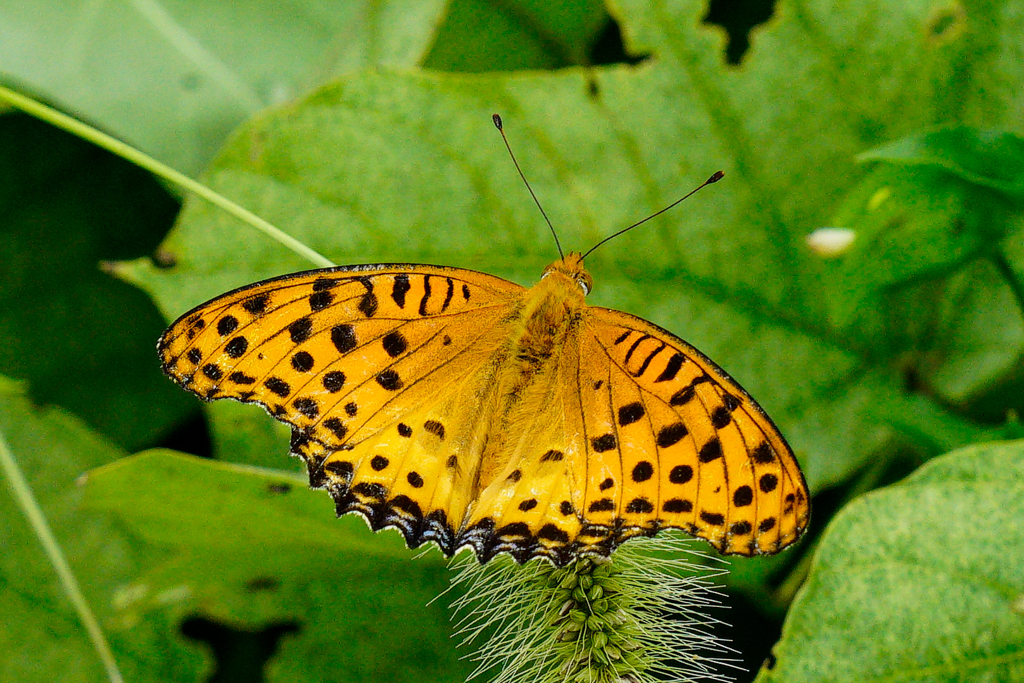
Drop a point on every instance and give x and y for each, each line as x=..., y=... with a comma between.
x=638, y=618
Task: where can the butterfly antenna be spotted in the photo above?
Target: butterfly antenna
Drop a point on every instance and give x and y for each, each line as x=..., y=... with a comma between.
x=713, y=179
x=497, y=124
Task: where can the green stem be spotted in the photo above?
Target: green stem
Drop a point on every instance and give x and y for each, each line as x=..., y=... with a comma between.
x=27, y=502
x=129, y=153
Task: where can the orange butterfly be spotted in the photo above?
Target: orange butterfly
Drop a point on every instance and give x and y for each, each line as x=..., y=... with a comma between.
x=464, y=409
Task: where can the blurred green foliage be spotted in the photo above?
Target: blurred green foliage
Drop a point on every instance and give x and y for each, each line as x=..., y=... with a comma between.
x=363, y=129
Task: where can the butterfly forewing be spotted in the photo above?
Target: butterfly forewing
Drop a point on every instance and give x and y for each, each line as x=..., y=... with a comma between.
x=674, y=442
x=337, y=353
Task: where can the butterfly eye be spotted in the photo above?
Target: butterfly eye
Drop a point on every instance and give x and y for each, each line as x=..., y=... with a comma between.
x=584, y=285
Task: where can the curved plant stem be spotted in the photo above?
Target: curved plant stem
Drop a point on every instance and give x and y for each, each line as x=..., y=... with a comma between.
x=129, y=153
x=23, y=494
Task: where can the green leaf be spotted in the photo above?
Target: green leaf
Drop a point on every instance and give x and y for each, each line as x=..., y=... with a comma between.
x=408, y=168
x=911, y=224
x=921, y=581
x=82, y=339
x=42, y=639
x=986, y=157
x=190, y=70
x=479, y=35
x=256, y=546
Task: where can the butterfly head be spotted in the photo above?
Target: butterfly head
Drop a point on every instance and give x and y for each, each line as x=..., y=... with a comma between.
x=571, y=267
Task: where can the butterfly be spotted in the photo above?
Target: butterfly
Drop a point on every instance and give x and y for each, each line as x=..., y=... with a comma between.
x=466, y=410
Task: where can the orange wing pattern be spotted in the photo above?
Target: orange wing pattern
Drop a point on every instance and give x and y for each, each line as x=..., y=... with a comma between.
x=375, y=369
x=672, y=441
x=463, y=409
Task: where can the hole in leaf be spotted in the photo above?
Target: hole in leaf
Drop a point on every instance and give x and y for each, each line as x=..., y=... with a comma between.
x=241, y=655
x=609, y=47
x=738, y=17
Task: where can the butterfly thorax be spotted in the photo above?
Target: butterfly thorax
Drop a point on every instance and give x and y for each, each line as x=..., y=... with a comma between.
x=547, y=319
x=550, y=310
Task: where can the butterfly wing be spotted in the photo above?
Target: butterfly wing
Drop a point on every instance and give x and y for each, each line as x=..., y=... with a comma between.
x=632, y=430
x=380, y=370
x=672, y=441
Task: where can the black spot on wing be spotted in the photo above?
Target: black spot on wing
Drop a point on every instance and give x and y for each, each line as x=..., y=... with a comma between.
x=256, y=305
x=680, y=474
x=448, y=294
x=394, y=344
x=712, y=450
x=743, y=496
x=639, y=506
x=302, y=361
x=368, y=302
x=671, y=368
x=630, y=413
x=343, y=337
x=720, y=417
x=671, y=434
x=426, y=295
x=643, y=471
x=277, y=386
x=399, y=289
x=763, y=453
x=677, y=505
x=389, y=380
x=236, y=347
x=227, y=325
x=333, y=381
x=318, y=301
x=307, y=406
x=300, y=329
x=552, y=456
x=434, y=427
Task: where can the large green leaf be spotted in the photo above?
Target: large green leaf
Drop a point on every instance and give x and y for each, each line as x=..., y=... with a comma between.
x=406, y=167
x=174, y=77
x=256, y=546
x=922, y=581
x=160, y=537
x=42, y=639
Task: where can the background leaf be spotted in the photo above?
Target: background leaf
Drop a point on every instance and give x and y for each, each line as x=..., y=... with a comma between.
x=42, y=638
x=256, y=546
x=921, y=581
x=173, y=78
